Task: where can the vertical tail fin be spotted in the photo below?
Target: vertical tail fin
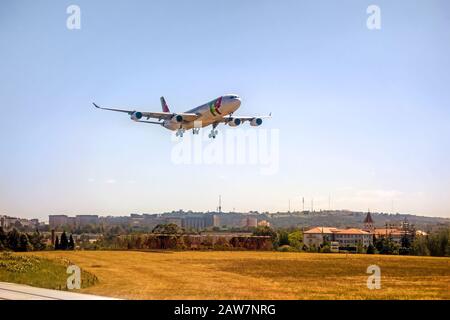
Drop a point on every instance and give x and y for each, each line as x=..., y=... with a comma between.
x=165, y=107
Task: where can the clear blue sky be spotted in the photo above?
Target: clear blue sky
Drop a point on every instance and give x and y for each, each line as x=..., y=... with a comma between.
x=363, y=115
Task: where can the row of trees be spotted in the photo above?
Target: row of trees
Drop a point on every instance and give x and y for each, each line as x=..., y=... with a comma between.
x=65, y=243
x=282, y=238
x=170, y=236
x=21, y=241
x=435, y=244
x=183, y=242
x=15, y=240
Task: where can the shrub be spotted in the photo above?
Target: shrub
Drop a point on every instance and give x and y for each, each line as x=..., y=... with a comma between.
x=286, y=248
x=296, y=239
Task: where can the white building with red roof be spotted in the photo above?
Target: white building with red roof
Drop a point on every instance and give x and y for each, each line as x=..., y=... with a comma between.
x=350, y=237
x=346, y=237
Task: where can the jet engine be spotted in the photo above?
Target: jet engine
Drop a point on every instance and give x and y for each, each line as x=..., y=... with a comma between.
x=177, y=118
x=136, y=116
x=235, y=122
x=256, y=122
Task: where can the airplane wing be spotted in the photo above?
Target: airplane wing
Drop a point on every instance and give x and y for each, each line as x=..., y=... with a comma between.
x=155, y=115
x=244, y=118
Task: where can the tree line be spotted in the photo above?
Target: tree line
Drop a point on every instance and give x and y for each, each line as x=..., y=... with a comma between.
x=65, y=243
x=17, y=241
x=170, y=236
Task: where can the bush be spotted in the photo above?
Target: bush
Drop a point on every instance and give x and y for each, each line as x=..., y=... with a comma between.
x=296, y=239
x=286, y=248
x=265, y=231
x=404, y=251
x=283, y=238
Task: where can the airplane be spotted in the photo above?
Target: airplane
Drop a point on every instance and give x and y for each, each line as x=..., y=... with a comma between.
x=213, y=113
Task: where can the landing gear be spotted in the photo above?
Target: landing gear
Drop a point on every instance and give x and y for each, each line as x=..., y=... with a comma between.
x=195, y=130
x=213, y=132
x=180, y=133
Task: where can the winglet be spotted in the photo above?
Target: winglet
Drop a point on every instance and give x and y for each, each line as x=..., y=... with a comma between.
x=95, y=105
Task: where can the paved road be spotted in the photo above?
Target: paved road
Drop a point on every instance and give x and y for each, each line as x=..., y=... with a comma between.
x=12, y=291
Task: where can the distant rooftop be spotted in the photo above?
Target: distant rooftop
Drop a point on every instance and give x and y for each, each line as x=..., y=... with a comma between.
x=368, y=218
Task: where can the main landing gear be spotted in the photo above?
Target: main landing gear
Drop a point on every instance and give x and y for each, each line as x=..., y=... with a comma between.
x=213, y=132
x=180, y=132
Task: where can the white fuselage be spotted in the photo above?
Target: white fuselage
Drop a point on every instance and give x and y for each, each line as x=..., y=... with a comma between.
x=209, y=113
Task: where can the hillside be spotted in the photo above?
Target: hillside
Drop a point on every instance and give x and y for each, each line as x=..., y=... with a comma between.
x=351, y=219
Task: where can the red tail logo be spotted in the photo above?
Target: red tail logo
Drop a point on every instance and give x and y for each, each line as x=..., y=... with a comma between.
x=165, y=107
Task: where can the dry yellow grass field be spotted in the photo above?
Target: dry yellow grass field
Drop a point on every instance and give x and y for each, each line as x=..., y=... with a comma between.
x=259, y=275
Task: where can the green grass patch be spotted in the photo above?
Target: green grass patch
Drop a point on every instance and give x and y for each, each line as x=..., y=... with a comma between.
x=39, y=272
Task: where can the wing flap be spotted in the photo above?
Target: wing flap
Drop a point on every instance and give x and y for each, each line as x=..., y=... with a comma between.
x=168, y=115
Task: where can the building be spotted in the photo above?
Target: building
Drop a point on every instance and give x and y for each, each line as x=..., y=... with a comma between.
x=3, y=222
x=369, y=225
x=27, y=223
x=200, y=222
x=318, y=235
x=57, y=220
x=84, y=220
x=249, y=222
x=397, y=233
x=263, y=223
x=345, y=237
x=352, y=237
x=7, y=222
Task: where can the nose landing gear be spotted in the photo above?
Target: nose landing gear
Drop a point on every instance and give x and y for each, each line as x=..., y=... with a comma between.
x=195, y=130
